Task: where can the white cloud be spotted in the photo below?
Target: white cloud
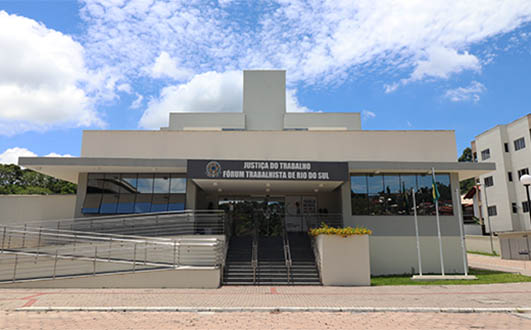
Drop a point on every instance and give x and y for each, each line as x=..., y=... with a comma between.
x=469, y=93
x=137, y=103
x=292, y=103
x=126, y=88
x=316, y=41
x=441, y=62
x=53, y=154
x=10, y=156
x=207, y=92
x=366, y=114
x=167, y=67
x=44, y=81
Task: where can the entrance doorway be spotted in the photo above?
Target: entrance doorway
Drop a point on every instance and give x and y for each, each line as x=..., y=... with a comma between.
x=260, y=216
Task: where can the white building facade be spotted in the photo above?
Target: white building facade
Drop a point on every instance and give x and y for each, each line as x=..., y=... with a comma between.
x=310, y=165
x=509, y=147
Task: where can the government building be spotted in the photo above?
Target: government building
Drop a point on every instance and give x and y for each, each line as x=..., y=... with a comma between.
x=275, y=174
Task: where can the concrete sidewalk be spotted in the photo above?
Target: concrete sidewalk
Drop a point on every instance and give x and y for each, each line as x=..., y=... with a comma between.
x=497, y=263
x=497, y=296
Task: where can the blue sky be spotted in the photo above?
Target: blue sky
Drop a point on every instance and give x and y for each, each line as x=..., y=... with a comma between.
x=66, y=66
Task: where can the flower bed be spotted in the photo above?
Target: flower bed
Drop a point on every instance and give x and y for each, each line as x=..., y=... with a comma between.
x=347, y=231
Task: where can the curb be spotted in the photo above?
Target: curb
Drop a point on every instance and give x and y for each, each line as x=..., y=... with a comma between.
x=283, y=309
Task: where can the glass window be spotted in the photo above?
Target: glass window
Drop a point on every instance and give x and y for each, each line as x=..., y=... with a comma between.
x=525, y=207
x=506, y=146
x=519, y=144
x=407, y=183
x=91, y=204
x=177, y=185
x=515, y=208
x=145, y=193
x=425, y=196
x=111, y=190
x=485, y=154
x=126, y=201
x=522, y=172
x=391, y=193
x=359, y=196
x=376, y=194
x=489, y=181
x=95, y=183
x=176, y=202
x=445, y=194
x=161, y=191
x=510, y=175
x=491, y=210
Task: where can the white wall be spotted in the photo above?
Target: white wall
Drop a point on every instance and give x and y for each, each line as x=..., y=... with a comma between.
x=19, y=209
x=407, y=146
x=480, y=243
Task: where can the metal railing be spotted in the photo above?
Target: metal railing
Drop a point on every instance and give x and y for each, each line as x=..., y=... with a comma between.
x=188, y=222
x=254, y=258
x=38, y=253
x=287, y=251
x=303, y=222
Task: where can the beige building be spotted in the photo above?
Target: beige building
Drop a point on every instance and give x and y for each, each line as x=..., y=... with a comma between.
x=509, y=147
x=275, y=172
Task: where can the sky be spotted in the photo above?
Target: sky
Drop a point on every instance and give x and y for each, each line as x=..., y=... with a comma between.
x=68, y=66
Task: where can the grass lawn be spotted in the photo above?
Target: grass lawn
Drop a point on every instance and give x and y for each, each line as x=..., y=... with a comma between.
x=484, y=277
x=484, y=253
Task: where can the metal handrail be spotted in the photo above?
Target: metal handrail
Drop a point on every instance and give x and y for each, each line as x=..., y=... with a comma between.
x=148, y=224
x=31, y=253
x=254, y=258
x=287, y=250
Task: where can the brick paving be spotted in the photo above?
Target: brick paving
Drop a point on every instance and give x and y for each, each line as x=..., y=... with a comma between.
x=507, y=295
x=497, y=263
x=257, y=320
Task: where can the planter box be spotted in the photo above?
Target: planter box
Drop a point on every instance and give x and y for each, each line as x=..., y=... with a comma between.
x=344, y=260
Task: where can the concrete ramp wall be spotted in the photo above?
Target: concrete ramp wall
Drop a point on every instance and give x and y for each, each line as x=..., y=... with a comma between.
x=199, y=278
x=19, y=209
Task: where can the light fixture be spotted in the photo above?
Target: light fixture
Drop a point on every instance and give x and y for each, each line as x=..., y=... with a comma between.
x=316, y=190
x=214, y=184
x=220, y=190
x=268, y=184
x=526, y=181
x=268, y=190
x=321, y=185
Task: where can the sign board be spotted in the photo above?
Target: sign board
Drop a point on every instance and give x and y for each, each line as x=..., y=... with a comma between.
x=267, y=170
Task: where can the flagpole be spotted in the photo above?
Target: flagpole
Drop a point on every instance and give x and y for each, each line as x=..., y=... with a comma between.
x=436, y=200
x=460, y=222
x=417, y=230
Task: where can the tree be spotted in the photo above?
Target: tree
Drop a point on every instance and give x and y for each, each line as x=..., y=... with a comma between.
x=466, y=185
x=15, y=180
x=466, y=156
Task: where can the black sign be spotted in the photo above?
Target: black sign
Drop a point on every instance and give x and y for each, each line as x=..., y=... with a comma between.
x=267, y=170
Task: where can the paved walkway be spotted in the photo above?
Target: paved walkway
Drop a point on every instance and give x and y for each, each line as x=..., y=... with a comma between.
x=510, y=295
x=496, y=263
x=226, y=321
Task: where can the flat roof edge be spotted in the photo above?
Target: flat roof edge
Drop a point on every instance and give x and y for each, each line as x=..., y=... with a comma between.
x=438, y=166
x=101, y=161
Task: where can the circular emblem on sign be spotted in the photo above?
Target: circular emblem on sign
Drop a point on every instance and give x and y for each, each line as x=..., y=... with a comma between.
x=213, y=169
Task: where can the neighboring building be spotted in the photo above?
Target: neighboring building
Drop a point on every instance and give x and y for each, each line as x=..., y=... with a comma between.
x=509, y=146
x=301, y=166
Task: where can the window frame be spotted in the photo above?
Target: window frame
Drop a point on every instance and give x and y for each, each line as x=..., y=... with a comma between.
x=519, y=144
x=488, y=181
x=494, y=210
x=485, y=154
